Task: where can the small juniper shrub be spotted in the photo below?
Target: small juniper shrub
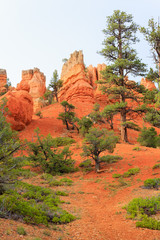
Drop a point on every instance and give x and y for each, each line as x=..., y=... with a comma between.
x=86, y=165
x=116, y=175
x=136, y=149
x=152, y=183
x=149, y=138
x=129, y=173
x=21, y=231
x=156, y=166
x=143, y=209
x=39, y=114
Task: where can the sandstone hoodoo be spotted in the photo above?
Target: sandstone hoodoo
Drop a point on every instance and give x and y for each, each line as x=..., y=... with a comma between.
x=148, y=84
x=76, y=84
x=80, y=83
x=34, y=82
x=20, y=106
x=3, y=80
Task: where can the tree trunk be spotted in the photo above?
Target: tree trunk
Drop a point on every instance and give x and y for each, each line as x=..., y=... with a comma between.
x=67, y=125
x=124, y=136
x=56, y=97
x=97, y=166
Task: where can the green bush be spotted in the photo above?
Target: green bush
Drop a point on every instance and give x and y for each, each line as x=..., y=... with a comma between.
x=148, y=222
x=86, y=165
x=153, y=117
x=39, y=114
x=149, y=138
x=156, y=166
x=116, y=175
x=130, y=172
x=136, y=149
x=45, y=153
x=84, y=125
x=110, y=159
x=33, y=204
x=142, y=209
x=152, y=183
x=21, y=231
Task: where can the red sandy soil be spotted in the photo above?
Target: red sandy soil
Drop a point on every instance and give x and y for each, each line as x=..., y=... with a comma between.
x=96, y=199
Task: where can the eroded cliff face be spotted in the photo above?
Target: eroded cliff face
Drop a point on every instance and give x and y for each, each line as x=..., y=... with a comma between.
x=80, y=83
x=3, y=80
x=75, y=58
x=34, y=82
x=148, y=84
x=20, y=106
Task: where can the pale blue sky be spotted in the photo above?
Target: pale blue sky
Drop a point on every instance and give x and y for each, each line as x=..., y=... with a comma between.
x=40, y=33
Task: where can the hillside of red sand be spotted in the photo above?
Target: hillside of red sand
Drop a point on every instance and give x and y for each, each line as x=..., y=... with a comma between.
x=96, y=199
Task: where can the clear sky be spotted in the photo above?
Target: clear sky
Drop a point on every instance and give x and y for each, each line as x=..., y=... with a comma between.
x=40, y=33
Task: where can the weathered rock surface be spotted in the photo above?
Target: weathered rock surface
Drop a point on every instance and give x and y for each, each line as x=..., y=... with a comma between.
x=34, y=82
x=76, y=86
x=80, y=84
x=3, y=80
x=75, y=58
x=20, y=105
x=148, y=84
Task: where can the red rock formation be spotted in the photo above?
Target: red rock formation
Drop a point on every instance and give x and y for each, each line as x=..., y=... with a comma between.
x=98, y=93
x=76, y=86
x=80, y=84
x=75, y=58
x=92, y=75
x=20, y=105
x=3, y=80
x=34, y=82
x=148, y=84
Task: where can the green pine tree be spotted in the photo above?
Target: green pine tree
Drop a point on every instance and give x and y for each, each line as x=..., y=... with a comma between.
x=96, y=142
x=120, y=34
x=152, y=36
x=55, y=84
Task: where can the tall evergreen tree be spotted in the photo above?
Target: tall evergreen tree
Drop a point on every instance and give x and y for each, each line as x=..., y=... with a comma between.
x=120, y=34
x=152, y=36
x=55, y=84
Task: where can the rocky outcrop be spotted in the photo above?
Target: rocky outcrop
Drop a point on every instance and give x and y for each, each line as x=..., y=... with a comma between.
x=34, y=82
x=79, y=83
x=76, y=86
x=20, y=106
x=75, y=58
x=148, y=84
x=3, y=80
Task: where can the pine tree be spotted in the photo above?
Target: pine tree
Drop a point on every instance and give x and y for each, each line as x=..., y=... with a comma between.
x=68, y=115
x=55, y=84
x=120, y=35
x=96, y=142
x=152, y=36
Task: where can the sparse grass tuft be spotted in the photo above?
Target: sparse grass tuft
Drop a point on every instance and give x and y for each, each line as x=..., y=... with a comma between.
x=21, y=231
x=136, y=149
